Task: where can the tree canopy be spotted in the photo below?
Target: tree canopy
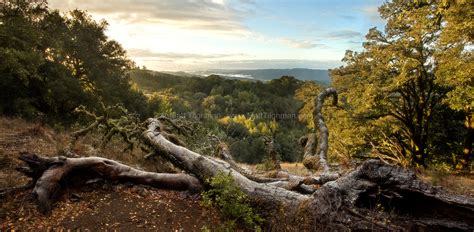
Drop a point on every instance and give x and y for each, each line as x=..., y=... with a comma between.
x=397, y=86
x=52, y=62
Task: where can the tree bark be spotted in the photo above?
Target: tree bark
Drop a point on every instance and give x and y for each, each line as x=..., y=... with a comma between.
x=310, y=161
x=318, y=119
x=467, y=149
x=337, y=204
x=49, y=172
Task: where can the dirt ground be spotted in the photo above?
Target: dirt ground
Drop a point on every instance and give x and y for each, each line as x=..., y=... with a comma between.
x=96, y=207
x=117, y=207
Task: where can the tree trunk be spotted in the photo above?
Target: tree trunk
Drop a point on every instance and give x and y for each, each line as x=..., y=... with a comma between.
x=394, y=192
x=49, y=172
x=310, y=161
x=272, y=153
x=467, y=149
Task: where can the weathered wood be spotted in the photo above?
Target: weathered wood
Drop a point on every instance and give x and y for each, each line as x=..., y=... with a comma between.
x=281, y=178
x=266, y=195
x=310, y=161
x=313, y=160
x=49, y=172
x=323, y=129
x=223, y=153
x=337, y=204
x=272, y=152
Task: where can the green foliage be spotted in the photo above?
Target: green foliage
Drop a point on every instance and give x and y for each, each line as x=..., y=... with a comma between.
x=45, y=72
x=404, y=97
x=231, y=201
x=249, y=123
x=251, y=150
x=266, y=165
x=392, y=87
x=239, y=112
x=456, y=59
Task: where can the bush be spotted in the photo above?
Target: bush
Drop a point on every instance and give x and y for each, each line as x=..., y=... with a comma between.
x=231, y=201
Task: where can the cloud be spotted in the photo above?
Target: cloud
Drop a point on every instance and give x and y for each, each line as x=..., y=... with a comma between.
x=304, y=44
x=174, y=65
x=373, y=13
x=355, y=42
x=344, y=34
x=150, y=55
x=193, y=14
x=247, y=1
x=277, y=63
x=348, y=17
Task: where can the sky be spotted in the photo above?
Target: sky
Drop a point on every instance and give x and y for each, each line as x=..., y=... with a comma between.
x=193, y=35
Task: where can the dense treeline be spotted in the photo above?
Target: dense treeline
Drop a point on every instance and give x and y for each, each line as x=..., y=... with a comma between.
x=411, y=89
x=224, y=96
x=51, y=63
x=241, y=113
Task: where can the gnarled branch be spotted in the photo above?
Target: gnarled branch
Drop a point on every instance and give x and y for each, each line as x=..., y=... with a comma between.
x=338, y=203
x=49, y=172
x=323, y=145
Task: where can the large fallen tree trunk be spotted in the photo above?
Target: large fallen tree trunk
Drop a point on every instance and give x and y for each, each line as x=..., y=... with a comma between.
x=395, y=193
x=49, y=172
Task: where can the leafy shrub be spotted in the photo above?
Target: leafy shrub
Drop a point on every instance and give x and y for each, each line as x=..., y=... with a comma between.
x=267, y=165
x=231, y=201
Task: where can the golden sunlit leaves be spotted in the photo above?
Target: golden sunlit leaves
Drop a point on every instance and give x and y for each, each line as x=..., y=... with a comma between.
x=253, y=127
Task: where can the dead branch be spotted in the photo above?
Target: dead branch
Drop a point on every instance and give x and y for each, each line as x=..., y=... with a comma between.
x=114, y=120
x=310, y=161
x=331, y=205
x=48, y=172
x=272, y=152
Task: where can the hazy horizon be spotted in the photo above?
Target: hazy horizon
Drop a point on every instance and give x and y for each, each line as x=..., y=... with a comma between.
x=166, y=35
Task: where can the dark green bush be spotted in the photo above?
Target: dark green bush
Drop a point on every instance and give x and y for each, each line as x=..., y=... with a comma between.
x=231, y=201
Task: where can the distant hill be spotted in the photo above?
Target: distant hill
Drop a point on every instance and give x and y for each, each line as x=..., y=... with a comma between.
x=269, y=74
x=318, y=75
x=152, y=80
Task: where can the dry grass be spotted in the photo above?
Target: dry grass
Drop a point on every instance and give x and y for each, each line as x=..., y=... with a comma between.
x=18, y=135
x=295, y=169
x=90, y=145
x=292, y=168
x=457, y=183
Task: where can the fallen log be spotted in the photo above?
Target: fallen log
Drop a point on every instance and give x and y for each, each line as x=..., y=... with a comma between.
x=399, y=198
x=49, y=172
x=281, y=178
